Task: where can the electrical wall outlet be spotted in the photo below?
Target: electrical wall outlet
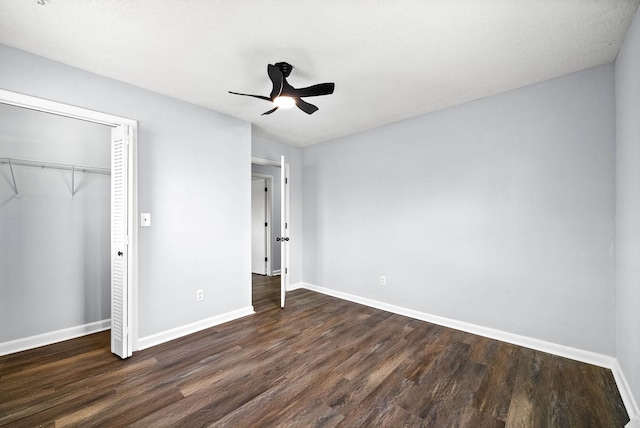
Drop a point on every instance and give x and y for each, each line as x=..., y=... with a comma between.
x=199, y=295
x=383, y=280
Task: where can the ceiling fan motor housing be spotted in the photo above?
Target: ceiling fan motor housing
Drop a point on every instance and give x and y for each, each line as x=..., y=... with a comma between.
x=284, y=67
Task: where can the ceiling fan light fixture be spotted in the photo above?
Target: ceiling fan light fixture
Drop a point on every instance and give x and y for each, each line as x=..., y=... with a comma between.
x=283, y=95
x=284, y=102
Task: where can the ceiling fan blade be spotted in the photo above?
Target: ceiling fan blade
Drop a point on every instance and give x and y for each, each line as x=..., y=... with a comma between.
x=315, y=90
x=277, y=78
x=270, y=111
x=251, y=95
x=305, y=106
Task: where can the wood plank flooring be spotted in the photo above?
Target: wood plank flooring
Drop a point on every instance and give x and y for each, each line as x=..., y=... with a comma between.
x=320, y=362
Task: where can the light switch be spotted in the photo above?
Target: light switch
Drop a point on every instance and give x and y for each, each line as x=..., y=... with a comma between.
x=145, y=220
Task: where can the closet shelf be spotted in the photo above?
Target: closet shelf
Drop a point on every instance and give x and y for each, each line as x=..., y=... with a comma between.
x=52, y=165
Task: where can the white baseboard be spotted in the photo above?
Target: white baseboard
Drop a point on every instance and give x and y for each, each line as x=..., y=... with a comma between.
x=633, y=423
x=166, y=336
x=276, y=272
x=588, y=357
x=528, y=342
x=296, y=286
x=627, y=396
x=53, y=337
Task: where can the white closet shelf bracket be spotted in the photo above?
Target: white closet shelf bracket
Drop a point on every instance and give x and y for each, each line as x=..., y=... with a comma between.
x=13, y=177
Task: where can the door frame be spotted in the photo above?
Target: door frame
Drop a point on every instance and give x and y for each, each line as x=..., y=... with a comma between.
x=269, y=215
x=284, y=220
x=67, y=110
x=269, y=162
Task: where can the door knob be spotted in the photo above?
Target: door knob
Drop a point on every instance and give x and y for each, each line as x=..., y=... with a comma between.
x=120, y=253
x=279, y=238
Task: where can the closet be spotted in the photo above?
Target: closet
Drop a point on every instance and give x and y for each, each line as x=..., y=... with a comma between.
x=54, y=223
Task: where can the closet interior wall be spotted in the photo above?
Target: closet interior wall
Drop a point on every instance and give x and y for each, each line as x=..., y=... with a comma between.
x=54, y=223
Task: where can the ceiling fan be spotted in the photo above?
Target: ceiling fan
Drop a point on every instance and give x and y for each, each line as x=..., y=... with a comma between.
x=283, y=95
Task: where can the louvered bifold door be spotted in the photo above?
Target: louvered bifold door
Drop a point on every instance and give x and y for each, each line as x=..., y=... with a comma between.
x=120, y=294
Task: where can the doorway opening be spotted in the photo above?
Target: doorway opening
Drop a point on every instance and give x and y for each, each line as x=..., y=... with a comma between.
x=263, y=224
x=274, y=225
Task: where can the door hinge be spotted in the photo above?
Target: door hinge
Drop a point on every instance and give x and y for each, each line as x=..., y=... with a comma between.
x=265, y=259
x=265, y=189
x=286, y=271
x=266, y=225
x=286, y=225
x=286, y=181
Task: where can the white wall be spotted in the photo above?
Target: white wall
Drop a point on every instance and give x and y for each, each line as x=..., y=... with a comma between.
x=53, y=247
x=194, y=178
x=498, y=212
x=267, y=149
x=627, y=94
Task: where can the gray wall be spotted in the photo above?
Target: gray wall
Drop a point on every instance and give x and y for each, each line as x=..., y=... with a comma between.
x=628, y=206
x=53, y=248
x=194, y=178
x=30, y=134
x=267, y=149
x=498, y=212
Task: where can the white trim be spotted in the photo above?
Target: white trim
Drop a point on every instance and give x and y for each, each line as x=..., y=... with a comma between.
x=589, y=357
x=261, y=161
x=627, y=396
x=295, y=286
x=53, y=337
x=185, y=330
x=40, y=104
x=53, y=107
x=633, y=423
x=134, y=229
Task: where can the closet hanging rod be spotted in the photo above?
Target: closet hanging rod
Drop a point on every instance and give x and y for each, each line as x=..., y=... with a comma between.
x=52, y=165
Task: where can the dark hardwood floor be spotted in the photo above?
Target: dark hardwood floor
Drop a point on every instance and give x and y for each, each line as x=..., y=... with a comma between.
x=319, y=362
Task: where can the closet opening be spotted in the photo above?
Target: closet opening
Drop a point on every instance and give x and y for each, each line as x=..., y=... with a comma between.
x=57, y=264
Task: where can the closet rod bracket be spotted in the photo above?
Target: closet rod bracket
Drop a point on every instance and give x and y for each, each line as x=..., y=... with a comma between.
x=73, y=181
x=13, y=177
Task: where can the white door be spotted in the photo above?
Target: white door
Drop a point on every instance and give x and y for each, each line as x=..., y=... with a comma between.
x=259, y=226
x=284, y=230
x=121, y=340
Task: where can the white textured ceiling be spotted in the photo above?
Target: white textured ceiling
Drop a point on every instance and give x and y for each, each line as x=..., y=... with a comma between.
x=390, y=60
